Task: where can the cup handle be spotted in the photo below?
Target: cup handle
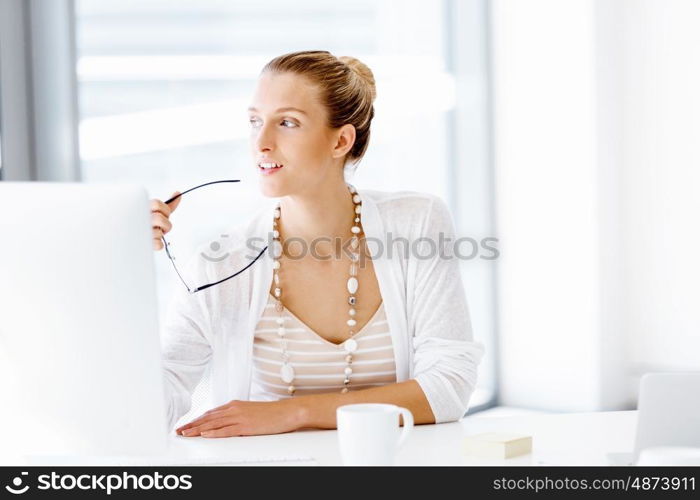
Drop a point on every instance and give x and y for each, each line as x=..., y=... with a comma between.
x=407, y=425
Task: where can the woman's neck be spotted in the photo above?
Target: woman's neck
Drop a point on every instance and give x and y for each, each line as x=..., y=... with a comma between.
x=327, y=213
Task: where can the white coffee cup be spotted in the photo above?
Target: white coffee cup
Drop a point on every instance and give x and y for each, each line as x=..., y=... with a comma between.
x=369, y=433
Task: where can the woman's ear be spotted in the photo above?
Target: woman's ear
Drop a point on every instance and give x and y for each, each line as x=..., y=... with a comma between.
x=345, y=139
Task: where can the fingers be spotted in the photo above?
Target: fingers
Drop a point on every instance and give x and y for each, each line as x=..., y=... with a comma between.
x=173, y=204
x=165, y=208
x=231, y=430
x=214, y=413
x=161, y=222
x=209, y=426
x=160, y=226
x=159, y=206
x=207, y=417
x=157, y=241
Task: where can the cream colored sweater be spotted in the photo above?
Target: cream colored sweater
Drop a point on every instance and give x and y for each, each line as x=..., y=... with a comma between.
x=424, y=302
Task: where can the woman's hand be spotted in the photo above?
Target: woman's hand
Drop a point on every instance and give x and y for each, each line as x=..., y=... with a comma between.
x=246, y=418
x=160, y=213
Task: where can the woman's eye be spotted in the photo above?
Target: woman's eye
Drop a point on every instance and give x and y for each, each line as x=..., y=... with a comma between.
x=291, y=123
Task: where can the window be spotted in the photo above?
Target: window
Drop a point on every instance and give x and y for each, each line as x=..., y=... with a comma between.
x=164, y=86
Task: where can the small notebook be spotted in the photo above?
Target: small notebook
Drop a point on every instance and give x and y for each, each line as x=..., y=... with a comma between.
x=497, y=445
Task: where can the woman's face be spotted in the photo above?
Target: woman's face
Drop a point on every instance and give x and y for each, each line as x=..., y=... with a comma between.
x=310, y=152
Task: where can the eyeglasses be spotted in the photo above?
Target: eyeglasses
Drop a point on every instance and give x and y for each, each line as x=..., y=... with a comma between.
x=170, y=255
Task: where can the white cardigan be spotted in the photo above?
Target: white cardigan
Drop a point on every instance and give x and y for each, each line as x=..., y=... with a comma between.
x=424, y=299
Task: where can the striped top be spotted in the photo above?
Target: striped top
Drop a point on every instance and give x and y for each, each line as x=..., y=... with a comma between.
x=318, y=363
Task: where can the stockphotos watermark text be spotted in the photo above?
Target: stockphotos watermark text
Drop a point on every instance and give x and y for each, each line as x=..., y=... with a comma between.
x=325, y=248
x=100, y=482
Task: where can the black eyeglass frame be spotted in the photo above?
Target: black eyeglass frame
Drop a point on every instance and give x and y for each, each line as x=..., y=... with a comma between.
x=166, y=244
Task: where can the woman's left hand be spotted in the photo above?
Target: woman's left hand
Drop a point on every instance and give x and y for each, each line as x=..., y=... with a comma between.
x=246, y=418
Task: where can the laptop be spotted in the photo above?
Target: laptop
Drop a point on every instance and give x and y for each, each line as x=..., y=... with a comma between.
x=668, y=414
x=79, y=340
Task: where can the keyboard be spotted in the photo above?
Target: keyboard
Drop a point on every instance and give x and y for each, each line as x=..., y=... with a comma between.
x=221, y=461
x=170, y=461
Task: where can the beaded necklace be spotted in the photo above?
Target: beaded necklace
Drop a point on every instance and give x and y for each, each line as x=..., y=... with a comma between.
x=350, y=344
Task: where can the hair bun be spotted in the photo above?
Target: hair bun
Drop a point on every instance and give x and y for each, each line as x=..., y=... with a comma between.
x=362, y=71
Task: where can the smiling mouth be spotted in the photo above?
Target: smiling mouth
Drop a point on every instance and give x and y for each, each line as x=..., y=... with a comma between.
x=268, y=169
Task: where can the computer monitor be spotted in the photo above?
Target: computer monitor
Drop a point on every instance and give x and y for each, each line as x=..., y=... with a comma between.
x=79, y=337
x=669, y=410
x=668, y=413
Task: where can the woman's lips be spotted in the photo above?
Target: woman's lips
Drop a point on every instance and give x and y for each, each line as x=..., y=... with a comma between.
x=269, y=171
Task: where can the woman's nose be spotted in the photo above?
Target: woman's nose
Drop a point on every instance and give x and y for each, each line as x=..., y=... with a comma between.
x=264, y=138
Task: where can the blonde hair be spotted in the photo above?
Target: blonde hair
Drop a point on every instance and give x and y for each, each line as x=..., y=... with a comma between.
x=347, y=90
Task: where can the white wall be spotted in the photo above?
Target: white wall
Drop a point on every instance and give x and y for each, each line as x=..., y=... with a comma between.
x=596, y=113
x=661, y=169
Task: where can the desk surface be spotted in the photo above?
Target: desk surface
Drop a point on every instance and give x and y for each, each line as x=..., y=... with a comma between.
x=557, y=439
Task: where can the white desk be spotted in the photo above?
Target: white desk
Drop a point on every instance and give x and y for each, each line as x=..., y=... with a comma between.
x=557, y=439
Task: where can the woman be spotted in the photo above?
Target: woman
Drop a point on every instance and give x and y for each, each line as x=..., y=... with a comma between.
x=297, y=335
